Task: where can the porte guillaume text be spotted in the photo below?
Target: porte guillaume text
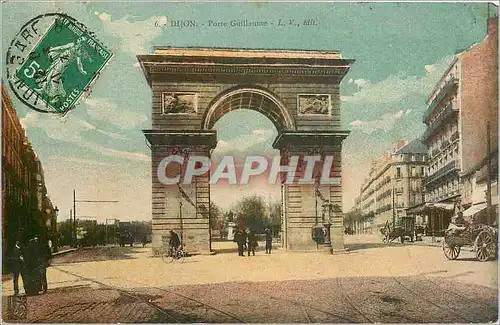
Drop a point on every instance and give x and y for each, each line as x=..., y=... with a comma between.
x=238, y=23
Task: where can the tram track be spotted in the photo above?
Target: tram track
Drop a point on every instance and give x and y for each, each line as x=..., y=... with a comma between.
x=193, y=300
x=422, y=295
x=303, y=306
x=161, y=310
x=466, y=299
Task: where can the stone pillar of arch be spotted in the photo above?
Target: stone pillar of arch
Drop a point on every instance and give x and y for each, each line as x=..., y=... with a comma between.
x=303, y=204
x=180, y=207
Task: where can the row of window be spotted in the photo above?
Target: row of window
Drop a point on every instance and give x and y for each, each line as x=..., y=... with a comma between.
x=448, y=156
x=414, y=172
x=443, y=189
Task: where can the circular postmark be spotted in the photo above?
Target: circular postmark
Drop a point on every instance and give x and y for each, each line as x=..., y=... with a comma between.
x=53, y=61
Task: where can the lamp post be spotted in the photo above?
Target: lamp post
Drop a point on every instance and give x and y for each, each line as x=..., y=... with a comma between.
x=55, y=240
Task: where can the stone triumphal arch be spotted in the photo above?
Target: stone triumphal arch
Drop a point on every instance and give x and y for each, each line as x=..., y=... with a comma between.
x=297, y=90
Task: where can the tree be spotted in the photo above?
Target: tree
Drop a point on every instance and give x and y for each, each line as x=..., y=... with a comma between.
x=65, y=232
x=227, y=217
x=274, y=222
x=252, y=212
x=215, y=212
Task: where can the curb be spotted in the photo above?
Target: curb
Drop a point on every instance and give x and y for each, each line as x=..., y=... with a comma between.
x=64, y=252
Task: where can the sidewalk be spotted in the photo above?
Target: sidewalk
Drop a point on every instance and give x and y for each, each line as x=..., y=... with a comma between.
x=8, y=276
x=429, y=241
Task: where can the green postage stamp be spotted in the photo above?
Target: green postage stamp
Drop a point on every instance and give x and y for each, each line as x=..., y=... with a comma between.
x=61, y=66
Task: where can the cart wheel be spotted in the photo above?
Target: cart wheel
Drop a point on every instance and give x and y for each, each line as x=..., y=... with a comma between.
x=485, y=246
x=451, y=251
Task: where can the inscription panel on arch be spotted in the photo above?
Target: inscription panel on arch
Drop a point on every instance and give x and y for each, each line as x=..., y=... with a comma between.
x=314, y=104
x=179, y=103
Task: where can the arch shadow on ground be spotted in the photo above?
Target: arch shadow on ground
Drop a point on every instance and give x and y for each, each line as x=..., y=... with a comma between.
x=361, y=246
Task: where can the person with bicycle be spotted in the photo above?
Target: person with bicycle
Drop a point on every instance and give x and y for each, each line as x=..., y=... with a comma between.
x=174, y=243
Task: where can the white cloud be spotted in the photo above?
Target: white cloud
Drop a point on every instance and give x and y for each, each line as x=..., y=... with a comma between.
x=408, y=111
x=107, y=111
x=116, y=153
x=430, y=67
x=360, y=83
x=244, y=142
x=137, y=65
x=80, y=161
x=70, y=129
x=386, y=122
x=397, y=88
x=135, y=36
x=104, y=16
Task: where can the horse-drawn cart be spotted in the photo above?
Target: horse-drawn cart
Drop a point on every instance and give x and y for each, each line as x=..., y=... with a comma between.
x=482, y=238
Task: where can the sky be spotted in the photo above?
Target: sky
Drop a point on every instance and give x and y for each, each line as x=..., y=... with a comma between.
x=98, y=149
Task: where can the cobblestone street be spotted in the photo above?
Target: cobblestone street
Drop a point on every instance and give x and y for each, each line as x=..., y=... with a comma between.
x=372, y=283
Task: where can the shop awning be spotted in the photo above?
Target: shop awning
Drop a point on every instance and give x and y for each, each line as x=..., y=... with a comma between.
x=444, y=206
x=474, y=209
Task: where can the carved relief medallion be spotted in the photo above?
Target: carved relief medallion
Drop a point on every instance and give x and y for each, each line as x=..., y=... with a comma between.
x=179, y=103
x=314, y=104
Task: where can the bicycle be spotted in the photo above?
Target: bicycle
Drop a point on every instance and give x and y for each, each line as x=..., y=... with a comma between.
x=170, y=255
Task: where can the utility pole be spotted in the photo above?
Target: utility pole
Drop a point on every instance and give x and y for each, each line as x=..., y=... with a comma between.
x=74, y=218
x=393, y=208
x=84, y=201
x=180, y=216
x=488, y=191
x=72, y=226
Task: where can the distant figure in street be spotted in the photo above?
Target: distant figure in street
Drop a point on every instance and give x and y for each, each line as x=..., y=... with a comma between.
x=44, y=256
x=240, y=239
x=144, y=240
x=269, y=240
x=16, y=265
x=32, y=279
x=252, y=242
x=174, y=242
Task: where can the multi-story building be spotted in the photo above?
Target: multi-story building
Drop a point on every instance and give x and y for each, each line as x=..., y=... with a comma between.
x=21, y=213
x=479, y=120
x=458, y=111
x=394, y=183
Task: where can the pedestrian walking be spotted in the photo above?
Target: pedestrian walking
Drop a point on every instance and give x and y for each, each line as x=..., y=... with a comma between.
x=32, y=277
x=16, y=260
x=240, y=239
x=269, y=240
x=44, y=256
x=252, y=242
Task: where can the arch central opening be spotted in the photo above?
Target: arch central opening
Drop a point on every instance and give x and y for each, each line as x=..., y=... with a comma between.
x=254, y=205
x=249, y=98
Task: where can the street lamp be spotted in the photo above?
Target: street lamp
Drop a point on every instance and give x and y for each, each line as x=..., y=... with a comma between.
x=55, y=234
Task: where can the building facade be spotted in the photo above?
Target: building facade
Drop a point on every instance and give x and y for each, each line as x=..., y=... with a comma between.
x=394, y=184
x=459, y=109
x=23, y=196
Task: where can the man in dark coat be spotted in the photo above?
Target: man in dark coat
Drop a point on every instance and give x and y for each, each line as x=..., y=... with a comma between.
x=44, y=256
x=174, y=242
x=269, y=241
x=33, y=283
x=240, y=238
x=252, y=242
x=16, y=265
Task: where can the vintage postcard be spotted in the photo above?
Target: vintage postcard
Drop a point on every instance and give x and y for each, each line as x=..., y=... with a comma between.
x=249, y=162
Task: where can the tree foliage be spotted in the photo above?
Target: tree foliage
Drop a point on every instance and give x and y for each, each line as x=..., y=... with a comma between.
x=252, y=213
x=214, y=214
